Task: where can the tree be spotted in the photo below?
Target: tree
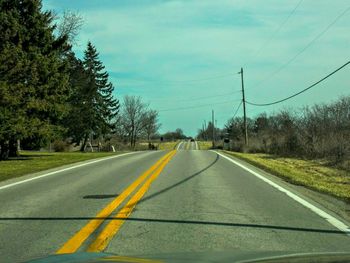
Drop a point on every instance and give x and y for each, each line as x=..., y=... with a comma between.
x=178, y=134
x=33, y=79
x=151, y=123
x=207, y=132
x=133, y=116
x=69, y=25
x=93, y=106
x=77, y=121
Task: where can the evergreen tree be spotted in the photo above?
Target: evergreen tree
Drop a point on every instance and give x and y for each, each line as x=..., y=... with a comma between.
x=93, y=106
x=77, y=119
x=33, y=82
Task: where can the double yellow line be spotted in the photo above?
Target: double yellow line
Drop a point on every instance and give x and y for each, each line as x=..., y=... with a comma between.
x=103, y=238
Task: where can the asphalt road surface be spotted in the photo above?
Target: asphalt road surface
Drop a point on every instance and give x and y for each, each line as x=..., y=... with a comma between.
x=147, y=203
x=187, y=145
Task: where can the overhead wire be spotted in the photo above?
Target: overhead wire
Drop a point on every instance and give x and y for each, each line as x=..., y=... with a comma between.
x=302, y=91
x=239, y=106
x=194, y=107
x=303, y=49
x=198, y=98
x=272, y=36
x=184, y=81
x=214, y=96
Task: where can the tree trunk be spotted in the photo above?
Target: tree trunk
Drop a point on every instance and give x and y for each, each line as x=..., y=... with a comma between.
x=132, y=135
x=4, y=151
x=82, y=148
x=13, y=149
x=133, y=141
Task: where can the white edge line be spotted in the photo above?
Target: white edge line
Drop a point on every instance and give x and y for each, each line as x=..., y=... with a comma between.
x=63, y=170
x=332, y=220
x=196, y=145
x=178, y=146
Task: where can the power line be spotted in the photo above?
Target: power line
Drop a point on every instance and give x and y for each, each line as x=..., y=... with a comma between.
x=302, y=91
x=214, y=96
x=305, y=48
x=194, y=107
x=277, y=30
x=239, y=106
x=199, y=98
x=201, y=79
x=184, y=81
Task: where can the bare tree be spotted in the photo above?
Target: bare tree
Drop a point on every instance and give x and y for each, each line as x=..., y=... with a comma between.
x=151, y=123
x=318, y=131
x=133, y=116
x=70, y=25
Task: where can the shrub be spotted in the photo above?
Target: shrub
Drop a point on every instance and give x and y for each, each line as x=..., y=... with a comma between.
x=61, y=146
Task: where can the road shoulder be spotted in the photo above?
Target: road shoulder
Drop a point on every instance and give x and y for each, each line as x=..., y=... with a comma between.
x=33, y=176
x=334, y=206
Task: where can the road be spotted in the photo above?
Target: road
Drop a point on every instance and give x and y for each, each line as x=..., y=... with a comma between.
x=187, y=145
x=161, y=202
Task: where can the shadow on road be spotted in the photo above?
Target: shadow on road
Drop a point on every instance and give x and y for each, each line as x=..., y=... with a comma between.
x=180, y=182
x=174, y=221
x=101, y=196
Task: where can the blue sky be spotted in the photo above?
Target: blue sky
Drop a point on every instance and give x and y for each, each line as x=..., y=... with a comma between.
x=184, y=53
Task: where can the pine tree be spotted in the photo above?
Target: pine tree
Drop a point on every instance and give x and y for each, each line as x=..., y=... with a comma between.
x=77, y=120
x=94, y=107
x=33, y=82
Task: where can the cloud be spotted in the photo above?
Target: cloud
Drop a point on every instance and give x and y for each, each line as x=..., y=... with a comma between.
x=148, y=46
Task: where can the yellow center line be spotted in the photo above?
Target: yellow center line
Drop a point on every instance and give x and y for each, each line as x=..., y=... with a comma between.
x=73, y=244
x=105, y=236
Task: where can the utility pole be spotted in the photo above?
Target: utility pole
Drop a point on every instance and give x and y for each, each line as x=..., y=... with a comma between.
x=213, y=125
x=244, y=111
x=203, y=131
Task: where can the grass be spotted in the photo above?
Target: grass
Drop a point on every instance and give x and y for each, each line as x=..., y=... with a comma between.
x=167, y=145
x=31, y=162
x=313, y=174
x=204, y=145
x=161, y=145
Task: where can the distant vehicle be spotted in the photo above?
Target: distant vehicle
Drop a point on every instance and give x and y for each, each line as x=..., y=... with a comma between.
x=192, y=140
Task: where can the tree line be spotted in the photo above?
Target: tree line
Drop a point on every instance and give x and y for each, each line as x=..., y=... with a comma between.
x=318, y=131
x=207, y=132
x=48, y=94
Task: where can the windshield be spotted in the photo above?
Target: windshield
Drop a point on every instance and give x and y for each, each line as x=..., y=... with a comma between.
x=145, y=129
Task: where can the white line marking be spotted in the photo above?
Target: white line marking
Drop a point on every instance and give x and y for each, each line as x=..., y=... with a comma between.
x=63, y=170
x=197, y=148
x=178, y=146
x=332, y=220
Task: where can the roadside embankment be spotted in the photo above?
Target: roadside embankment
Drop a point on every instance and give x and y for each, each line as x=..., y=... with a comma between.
x=313, y=174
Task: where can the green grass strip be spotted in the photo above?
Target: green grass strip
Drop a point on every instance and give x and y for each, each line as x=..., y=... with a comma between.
x=31, y=162
x=313, y=174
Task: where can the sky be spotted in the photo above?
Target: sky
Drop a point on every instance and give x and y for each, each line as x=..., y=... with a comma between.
x=182, y=56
